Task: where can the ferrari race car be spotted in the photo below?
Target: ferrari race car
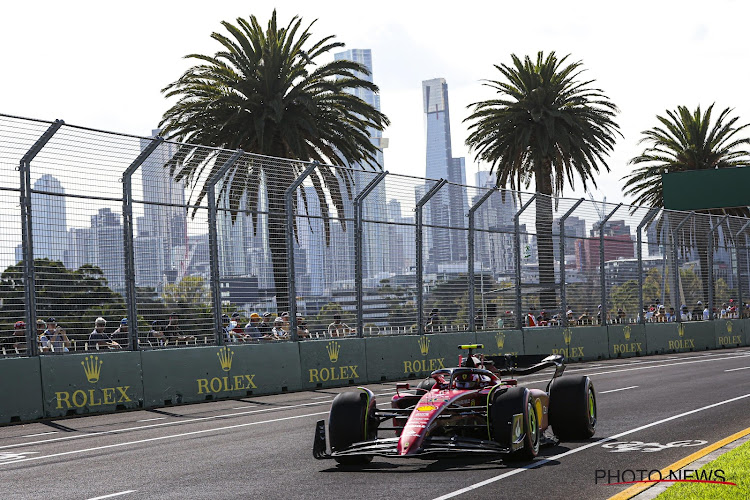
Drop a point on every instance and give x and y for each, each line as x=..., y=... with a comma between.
x=476, y=407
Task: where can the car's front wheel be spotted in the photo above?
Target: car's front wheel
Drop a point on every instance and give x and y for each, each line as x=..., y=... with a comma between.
x=348, y=424
x=512, y=417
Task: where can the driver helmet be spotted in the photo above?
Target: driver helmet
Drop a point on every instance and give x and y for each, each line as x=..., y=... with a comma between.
x=467, y=381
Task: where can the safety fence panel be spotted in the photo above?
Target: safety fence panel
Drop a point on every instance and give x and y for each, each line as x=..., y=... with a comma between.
x=626, y=340
x=730, y=332
x=265, y=368
x=501, y=342
x=93, y=382
x=333, y=363
x=680, y=337
x=413, y=356
x=576, y=344
x=21, y=391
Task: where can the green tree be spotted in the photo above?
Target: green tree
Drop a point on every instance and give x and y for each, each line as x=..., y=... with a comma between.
x=325, y=317
x=269, y=92
x=689, y=141
x=191, y=300
x=625, y=297
x=547, y=125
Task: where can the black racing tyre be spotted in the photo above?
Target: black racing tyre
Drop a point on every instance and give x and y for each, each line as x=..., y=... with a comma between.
x=426, y=385
x=572, y=408
x=514, y=401
x=347, y=422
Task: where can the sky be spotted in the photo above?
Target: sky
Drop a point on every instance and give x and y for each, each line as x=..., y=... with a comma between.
x=103, y=64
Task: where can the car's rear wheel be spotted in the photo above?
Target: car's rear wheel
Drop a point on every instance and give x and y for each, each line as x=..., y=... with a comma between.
x=572, y=408
x=504, y=406
x=348, y=424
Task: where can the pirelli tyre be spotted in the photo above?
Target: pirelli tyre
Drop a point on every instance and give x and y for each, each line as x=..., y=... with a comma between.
x=572, y=408
x=501, y=413
x=426, y=385
x=349, y=422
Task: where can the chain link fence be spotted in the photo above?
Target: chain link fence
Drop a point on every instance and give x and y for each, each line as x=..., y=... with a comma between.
x=115, y=241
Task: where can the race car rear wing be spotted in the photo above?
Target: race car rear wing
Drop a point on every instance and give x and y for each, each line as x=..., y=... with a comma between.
x=526, y=364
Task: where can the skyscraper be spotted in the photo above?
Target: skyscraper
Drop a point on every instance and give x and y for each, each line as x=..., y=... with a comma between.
x=49, y=221
x=450, y=205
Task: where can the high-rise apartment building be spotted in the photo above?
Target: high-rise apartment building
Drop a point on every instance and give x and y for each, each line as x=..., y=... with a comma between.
x=49, y=221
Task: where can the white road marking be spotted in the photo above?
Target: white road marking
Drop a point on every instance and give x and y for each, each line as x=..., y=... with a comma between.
x=160, y=438
x=621, y=389
x=111, y=495
x=244, y=407
x=598, y=442
x=735, y=369
x=40, y=434
x=322, y=397
x=152, y=419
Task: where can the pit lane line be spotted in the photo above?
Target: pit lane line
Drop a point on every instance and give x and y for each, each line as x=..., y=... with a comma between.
x=288, y=407
x=598, y=442
x=158, y=438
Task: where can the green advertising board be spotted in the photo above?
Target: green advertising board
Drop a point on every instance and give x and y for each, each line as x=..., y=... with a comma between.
x=410, y=356
x=680, y=337
x=21, y=390
x=91, y=382
x=332, y=363
x=273, y=368
x=580, y=343
x=501, y=342
x=730, y=332
x=626, y=340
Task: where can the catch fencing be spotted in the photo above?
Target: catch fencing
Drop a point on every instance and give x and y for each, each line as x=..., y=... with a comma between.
x=175, y=244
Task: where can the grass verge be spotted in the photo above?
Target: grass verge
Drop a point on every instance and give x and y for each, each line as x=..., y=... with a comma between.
x=734, y=466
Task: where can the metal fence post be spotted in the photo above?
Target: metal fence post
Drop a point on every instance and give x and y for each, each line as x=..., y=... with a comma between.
x=739, y=272
x=675, y=263
x=27, y=243
x=470, y=270
x=418, y=236
x=127, y=227
x=563, y=294
x=639, y=251
x=358, y=264
x=602, y=271
x=213, y=244
x=517, y=245
x=710, y=258
x=289, y=205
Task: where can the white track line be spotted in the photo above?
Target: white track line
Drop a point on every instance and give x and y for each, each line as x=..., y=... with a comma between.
x=735, y=369
x=152, y=419
x=621, y=389
x=111, y=495
x=160, y=438
x=539, y=463
x=244, y=407
x=40, y=434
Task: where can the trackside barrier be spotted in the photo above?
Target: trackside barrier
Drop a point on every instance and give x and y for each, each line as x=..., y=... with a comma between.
x=746, y=330
x=21, y=390
x=626, y=340
x=730, y=332
x=680, y=337
x=411, y=356
x=501, y=342
x=265, y=368
x=576, y=344
x=93, y=382
x=332, y=363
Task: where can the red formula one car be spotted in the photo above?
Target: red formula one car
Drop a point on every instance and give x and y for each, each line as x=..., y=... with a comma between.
x=477, y=408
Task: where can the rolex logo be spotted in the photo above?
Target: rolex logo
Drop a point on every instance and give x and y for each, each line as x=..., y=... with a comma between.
x=567, y=335
x=333, y=349
x=729, y=327
x=681, y=329
x=500, y=339
x=92, y=367
x=424, y=345
x=626, y=331
x=225, y=355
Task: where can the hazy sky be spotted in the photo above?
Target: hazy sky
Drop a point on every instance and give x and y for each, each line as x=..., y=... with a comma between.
x=102, y=64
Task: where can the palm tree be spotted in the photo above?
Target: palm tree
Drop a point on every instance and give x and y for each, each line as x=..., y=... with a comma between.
x=264, y=93
x=688, y=141
x=545, y=125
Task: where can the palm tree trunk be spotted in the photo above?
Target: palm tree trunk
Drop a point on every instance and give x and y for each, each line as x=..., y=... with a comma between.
x=545, y=252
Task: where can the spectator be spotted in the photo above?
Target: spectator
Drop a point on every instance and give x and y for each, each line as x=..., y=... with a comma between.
x=266, y=326
x=285, y=322
x=121, y=334
x=724, y=311
x=235, y=324
x=302, y=331
x=172, y=331
x=226, y=330
x=621, y=316
x=569, y=316
x=684, y=313
x=650, y=314
x=660, y=316
x=671, y=315
x=44, y=343
x=599, y=315
x=697, y=313
x=99, y=338
x=19, y=336
x=531, y=317
x=156, y=335
x=41, y=327
x=278, y=329
x=543, y=318
x=584, y=319
x=251, y=329
x=706, y=314
x=338, y=328
x=433, y=321
x=57, y=336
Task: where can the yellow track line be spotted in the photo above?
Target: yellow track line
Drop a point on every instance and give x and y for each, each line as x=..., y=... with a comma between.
x=638, y=488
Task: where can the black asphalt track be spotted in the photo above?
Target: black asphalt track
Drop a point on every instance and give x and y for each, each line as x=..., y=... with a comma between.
x=261, y=447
